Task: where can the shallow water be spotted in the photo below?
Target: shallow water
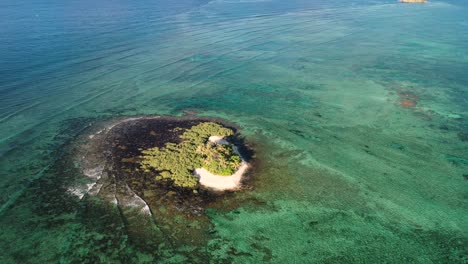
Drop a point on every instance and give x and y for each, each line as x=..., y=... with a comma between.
x=347, y=170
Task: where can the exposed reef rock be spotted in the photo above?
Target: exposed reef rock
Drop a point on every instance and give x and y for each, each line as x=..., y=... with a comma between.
x=407, y=98
x=133, y=160
x=109, y=157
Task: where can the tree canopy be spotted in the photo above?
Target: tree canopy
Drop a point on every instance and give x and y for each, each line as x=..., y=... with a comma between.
x=177, y=161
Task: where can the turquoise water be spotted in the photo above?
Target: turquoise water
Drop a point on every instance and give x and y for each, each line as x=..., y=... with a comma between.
x=357, y=111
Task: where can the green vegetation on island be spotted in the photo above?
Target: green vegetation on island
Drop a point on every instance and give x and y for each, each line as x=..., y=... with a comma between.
x=177, y=161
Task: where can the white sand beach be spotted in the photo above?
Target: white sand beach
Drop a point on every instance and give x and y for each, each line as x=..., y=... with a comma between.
x=219, y=182
x=218, y=140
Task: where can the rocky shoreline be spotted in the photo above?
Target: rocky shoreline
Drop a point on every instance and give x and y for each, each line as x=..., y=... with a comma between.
x=107, y=160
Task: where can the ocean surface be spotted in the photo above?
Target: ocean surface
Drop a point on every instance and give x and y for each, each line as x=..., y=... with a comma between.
x=357, y=111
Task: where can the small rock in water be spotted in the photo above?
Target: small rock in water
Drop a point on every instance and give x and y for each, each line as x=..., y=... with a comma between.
x=397, y=146
x=444, y=127
x=407, y=103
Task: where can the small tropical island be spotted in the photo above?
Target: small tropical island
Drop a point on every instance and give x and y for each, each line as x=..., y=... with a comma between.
x=203, y=155
x=137, y=161
x=161, y=169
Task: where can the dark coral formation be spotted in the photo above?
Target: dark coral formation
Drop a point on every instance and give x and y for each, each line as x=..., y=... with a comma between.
x=407, y=98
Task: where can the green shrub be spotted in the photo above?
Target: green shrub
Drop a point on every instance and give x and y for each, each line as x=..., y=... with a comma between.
x=176, y=162
x=219, y=159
